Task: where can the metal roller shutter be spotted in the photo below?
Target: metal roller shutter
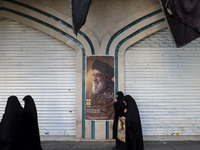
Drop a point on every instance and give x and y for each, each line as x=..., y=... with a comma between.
x=33, y=63
x=165, y=82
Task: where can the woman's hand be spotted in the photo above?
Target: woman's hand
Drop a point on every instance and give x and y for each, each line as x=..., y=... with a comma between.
x=123, y=117
x=125, y=110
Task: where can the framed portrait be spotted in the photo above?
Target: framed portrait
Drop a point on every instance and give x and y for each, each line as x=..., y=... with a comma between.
x=121, y=129
x=99, y=88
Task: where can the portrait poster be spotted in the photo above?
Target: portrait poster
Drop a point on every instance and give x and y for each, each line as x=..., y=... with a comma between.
x=121, y=129
x=99, y=88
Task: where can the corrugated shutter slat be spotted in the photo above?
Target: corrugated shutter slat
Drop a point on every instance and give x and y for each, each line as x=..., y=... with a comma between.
x=32, y=63
x=165, y=83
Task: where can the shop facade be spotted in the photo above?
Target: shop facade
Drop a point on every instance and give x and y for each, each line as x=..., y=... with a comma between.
x=42, y=57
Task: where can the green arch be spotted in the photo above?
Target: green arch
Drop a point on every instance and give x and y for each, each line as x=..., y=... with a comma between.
x=129, y=26
x=73, y=39
x=123, y=41
x=56, y=19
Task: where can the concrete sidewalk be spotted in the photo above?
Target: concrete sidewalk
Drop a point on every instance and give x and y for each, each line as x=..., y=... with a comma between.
x=107, y=145
x=151, y=143
x=163, y=138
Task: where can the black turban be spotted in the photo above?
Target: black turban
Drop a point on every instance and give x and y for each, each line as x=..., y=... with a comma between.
x=106, y=69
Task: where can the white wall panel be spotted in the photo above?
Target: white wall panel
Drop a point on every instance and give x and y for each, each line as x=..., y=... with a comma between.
x=32, y=63
x=165, y=82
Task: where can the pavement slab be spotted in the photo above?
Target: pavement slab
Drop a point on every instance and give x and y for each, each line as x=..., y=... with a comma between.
x=108, y=145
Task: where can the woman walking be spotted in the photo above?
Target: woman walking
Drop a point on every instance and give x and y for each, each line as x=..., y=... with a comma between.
x=12, y=133
x=119, y=107
x=134, y=137
x=31, y=123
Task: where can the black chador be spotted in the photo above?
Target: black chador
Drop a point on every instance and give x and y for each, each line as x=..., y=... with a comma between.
x=31, y=123
x=119, y=107
x=134, y=137
x=12, y=134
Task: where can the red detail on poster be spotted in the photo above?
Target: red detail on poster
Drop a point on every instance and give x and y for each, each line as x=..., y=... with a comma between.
x=88, y=103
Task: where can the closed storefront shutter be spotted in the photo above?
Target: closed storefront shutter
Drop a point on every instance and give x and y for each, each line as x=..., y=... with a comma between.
x=165, y=82
x=33, y=63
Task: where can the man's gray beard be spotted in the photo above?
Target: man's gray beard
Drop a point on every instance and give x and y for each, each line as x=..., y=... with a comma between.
x=100, y=87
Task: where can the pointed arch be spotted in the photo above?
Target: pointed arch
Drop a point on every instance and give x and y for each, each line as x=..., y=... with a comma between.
x=56, y=25
x=52, y=17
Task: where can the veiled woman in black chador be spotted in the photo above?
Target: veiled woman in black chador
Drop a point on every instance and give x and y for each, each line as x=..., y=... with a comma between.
x=119, y=107
x=134, y=137
x=12, y=133
x=31, y=123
